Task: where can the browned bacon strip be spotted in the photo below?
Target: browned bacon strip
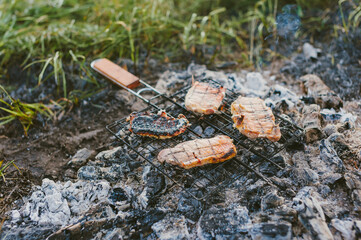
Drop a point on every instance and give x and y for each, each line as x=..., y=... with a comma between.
x=204, y=98
x=254, y=119
x=199, y=152
x=157, y=125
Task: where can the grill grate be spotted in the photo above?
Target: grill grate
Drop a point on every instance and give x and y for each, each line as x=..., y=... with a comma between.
x=201, y=182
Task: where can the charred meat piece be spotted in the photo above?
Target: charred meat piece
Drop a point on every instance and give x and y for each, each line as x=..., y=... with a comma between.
x=204, y=98
x=199, y=152
x=157, y=125
x=254, y=119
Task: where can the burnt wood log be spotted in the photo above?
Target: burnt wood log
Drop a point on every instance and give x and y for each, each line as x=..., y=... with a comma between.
x=314, y=87
x=311, y=122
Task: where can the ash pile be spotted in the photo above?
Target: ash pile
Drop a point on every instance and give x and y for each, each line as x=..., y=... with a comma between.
x=117, y=195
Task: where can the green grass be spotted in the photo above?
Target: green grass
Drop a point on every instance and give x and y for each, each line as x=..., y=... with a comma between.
x=25, y=113
x=56, y=40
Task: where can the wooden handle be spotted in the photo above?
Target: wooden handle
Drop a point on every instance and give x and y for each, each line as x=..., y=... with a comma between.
x=115, y=73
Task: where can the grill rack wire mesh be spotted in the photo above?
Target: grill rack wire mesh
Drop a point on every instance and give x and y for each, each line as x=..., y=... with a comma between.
x=201, y=182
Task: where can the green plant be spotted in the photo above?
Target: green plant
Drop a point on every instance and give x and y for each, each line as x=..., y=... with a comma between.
x=24, y=112
x=6, y=166
x=262, y=20
x=354, y=17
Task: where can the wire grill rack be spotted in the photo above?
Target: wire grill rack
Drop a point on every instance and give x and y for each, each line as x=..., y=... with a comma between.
x=201, y=182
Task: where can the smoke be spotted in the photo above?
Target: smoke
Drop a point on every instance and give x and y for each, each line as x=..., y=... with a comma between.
x=288, y=22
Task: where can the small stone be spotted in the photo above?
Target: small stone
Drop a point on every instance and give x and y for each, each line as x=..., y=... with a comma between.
x=109, y=154
x=80, y=158
x=271, y=230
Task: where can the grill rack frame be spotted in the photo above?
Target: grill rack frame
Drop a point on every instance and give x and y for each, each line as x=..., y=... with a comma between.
x=221, y=124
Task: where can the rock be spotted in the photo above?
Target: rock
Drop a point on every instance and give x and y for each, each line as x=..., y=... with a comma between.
x=271, y=200
x=223, y=223
x=323, y=95
x=311, y=122
x=309, y=51
x=271, y=230
x=345, y=227
x=329, y=156
x=311, y=215
x=80, y=158
x=109, y=155
x=172, y=227
x=255, y=85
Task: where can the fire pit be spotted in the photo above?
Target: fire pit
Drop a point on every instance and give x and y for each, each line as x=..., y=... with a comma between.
x=211, y=178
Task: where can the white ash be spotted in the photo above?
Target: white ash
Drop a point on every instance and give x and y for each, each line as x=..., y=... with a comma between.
x=340, y=116
x=279, y=94
x=255, y=85
x=63, y=203
x=172, y=227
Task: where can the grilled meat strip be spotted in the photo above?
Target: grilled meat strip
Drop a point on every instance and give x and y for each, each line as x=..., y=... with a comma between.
x=254, y=119
x=199, y=152
x=203, y=98
x=157, y=125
